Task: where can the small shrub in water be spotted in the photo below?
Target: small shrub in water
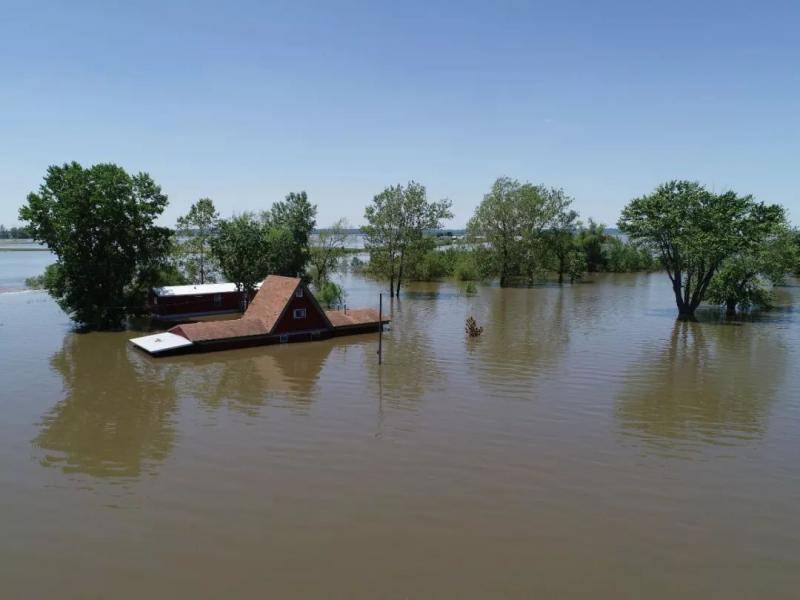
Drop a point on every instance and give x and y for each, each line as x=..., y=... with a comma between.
x=472, y=328
x=470, y=288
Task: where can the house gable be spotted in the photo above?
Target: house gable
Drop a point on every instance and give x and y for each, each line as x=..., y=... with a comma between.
x=301, y=313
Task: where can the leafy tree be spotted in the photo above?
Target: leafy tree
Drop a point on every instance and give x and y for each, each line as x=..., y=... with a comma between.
x=297, y=217
x=743, y=279
x=241, y=248
x=796, y=235
x=625, y=257
x=382, y=233
x=591, y=239
x=195, y=230
x=694, y=231
x=576, y=265
x=100, y=224
x=511, y=222
x=562, y=246
x=327, y=251
x=398, y=219
x=330, y=294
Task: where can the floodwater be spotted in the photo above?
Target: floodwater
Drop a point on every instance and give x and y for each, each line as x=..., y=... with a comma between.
x=586, y=445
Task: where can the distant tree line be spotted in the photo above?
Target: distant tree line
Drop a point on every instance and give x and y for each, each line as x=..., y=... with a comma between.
x=14, y=233
x=100, y=222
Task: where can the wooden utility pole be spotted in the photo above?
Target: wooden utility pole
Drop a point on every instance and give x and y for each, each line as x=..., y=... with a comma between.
x=380, y=328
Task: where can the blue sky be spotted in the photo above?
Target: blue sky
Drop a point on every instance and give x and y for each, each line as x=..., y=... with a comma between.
x=244, y=102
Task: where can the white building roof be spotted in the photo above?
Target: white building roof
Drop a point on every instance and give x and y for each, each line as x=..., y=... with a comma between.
x=193, y=290
x=160, y=342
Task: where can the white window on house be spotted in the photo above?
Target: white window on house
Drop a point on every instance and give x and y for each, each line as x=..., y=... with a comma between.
x=217, y=299
x=299, y=292
x=299, y=313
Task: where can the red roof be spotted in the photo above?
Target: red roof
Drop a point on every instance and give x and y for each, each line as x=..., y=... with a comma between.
x=259, y=318
x=354, y=317
x=266, y=310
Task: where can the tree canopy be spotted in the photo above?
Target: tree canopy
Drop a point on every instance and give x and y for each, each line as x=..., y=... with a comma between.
x=100, y=224
x=745, y=279
x=241, y=248
x=295, y=219
x=195, y=230
x=693, y=231
x=512, y=222
x=327, y=251
x=397, y=221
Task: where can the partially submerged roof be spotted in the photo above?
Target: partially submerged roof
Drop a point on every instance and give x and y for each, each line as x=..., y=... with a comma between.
x=265, y=317
x=193, y=290
x=354, y=317
x=259, y=318
x=160, y=342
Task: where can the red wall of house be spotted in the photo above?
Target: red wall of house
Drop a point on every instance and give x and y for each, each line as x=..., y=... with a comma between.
x=196, y=303
x=314, y=318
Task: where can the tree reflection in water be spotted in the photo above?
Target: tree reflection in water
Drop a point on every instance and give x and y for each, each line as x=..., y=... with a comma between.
x=117, y=416
x=245, y=380
x=711, y=383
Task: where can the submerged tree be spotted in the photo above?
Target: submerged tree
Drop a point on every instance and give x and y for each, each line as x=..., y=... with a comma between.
x=512, y=222
x=745, y=279
x=327, y=251
x=693, y=231
x=591, y=239
x=195, y=231
x=100, y=224
x=397, y=221
x=241, y=250
x=294, y=219
x=562, y=245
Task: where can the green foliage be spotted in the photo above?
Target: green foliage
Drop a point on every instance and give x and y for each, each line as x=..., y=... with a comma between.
x=466, y=268
x=470, y=288
x=327, y=252
x=330, y=294
x=694, y=231
x=438, y=264
x=591, y=240
x=357, y=265
x=100, y=224
x=563, y=253
x=397, y=221
x=744, y=280
x=295, y=216
x=796, y=237
x=248, y=249
x=624, y=257
x=195, y=231
x=576, y=265
x=241, y=250
x=511, y=224
x=37, y=282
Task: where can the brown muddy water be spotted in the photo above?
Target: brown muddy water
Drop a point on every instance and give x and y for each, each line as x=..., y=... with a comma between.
x=587, y=445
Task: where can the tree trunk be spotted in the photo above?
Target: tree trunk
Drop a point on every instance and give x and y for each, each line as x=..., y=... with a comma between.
x=685, y=308
x=730, y=307
x=400, y=273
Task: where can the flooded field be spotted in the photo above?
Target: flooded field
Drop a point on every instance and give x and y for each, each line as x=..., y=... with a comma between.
x=586, y=445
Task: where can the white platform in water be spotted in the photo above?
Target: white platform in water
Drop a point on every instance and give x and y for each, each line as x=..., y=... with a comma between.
x=160, y=342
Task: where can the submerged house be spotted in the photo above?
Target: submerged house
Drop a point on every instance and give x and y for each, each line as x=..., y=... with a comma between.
x=181, y=302
x=283, y=310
